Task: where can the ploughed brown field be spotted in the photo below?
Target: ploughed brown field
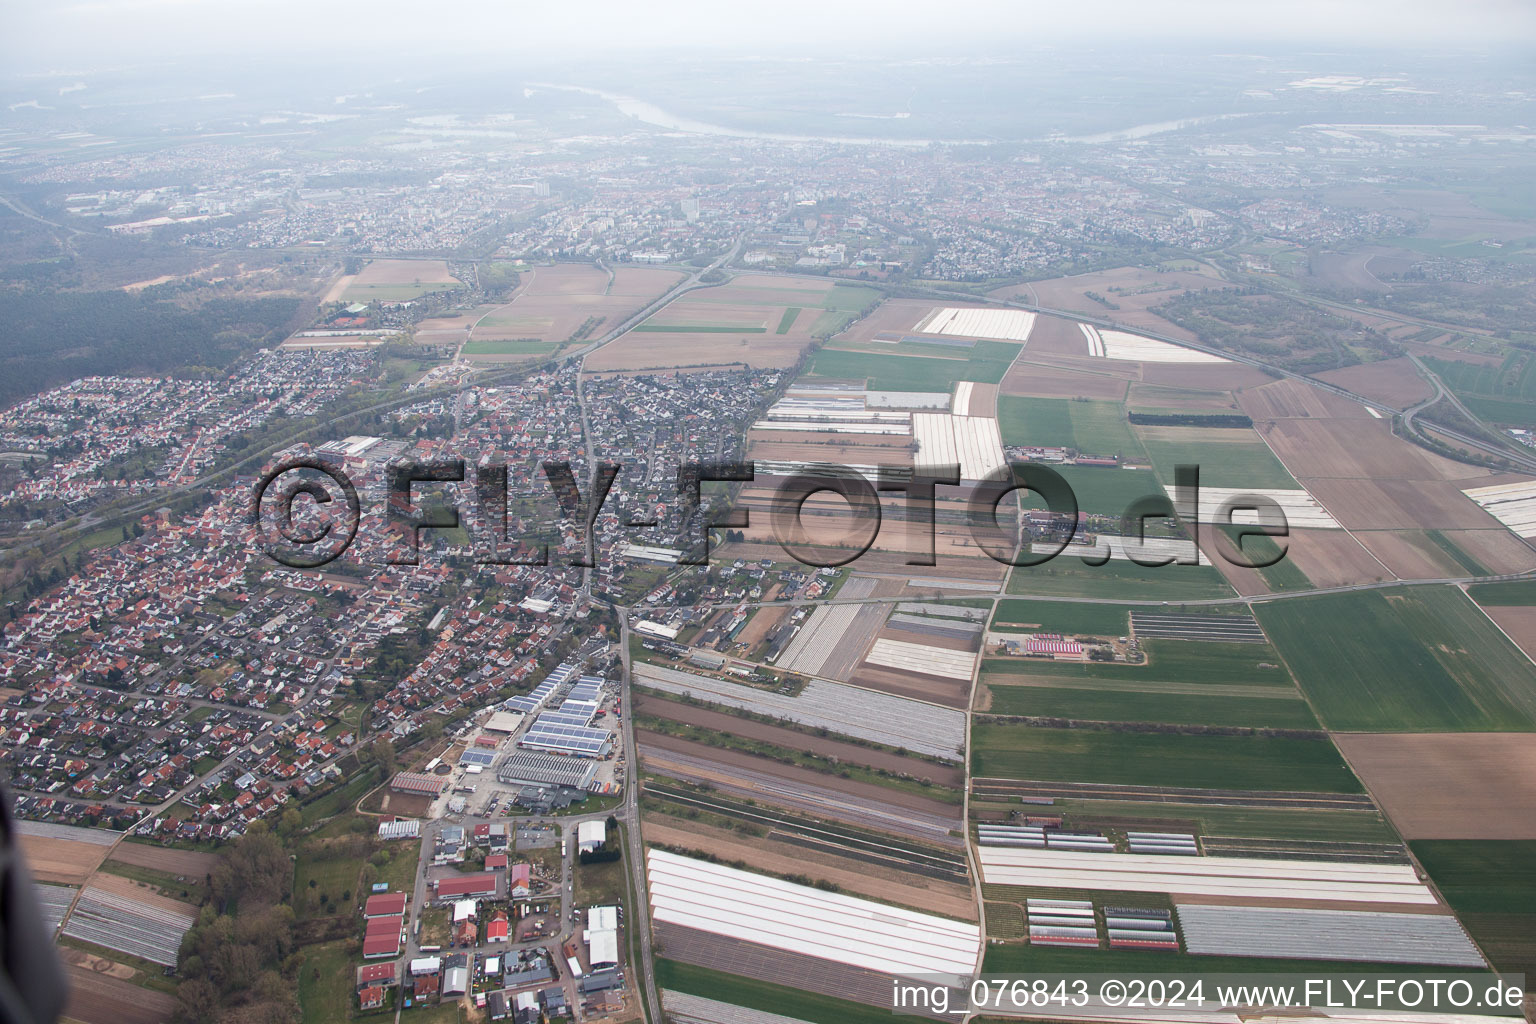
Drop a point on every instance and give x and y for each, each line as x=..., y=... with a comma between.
x=1519, y=623
x=941, y=774
x=1287, y=399
x=406, y=272
x=188, y=863
x=747, y=767
x=553, y=303
x=854, y=876
x=1392, y=382
x=96, y=998
x=1449, y=785
x=61, y=860
x=1134, y=289
x=952, y=693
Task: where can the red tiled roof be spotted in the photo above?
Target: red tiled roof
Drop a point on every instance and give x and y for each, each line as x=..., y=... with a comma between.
x=385, y=904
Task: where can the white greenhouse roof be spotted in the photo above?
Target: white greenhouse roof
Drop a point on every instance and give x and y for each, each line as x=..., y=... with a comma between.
x=843, y=929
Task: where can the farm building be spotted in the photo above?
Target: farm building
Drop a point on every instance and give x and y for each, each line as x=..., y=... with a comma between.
x=466, y=885
x=404, y=828
x=416, y=784
x=382, y=937
x=503, y=721
x=390, y=904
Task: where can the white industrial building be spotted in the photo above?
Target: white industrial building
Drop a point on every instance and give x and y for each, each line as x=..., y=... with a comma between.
x=590, y=836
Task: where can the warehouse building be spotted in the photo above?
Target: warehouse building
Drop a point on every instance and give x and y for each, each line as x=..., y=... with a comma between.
x=533, y=769
x=416, y=784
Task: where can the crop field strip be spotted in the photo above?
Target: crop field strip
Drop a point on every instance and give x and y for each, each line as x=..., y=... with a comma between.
x=842, y=709
x=1221, y=628
x=129, y=926
x=54, y=901
x=1304, y=849
x=1491, y=884
x=1434, y=939
x=1213, y=876
x=906, y=856
x=737, y=957
x=814, y=793
x=683, y=1008
x=1419, y=660
x=982, y=786
x=748, y=907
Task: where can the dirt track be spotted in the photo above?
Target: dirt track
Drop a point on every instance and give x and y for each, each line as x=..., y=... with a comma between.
x=941, y=774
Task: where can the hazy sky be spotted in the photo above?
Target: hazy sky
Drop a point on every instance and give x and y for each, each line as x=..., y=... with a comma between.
x=80, y=34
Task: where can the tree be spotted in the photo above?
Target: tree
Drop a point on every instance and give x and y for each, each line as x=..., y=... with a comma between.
x=197, y=1001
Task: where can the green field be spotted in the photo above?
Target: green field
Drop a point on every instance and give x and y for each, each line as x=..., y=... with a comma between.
x=509, y=348
x=1505, y=393
x=985, y=363
x=849, y=298
x=1118, y=579
x=1107, y=705
x=1185, y=662
x=1457, y=555
x=1227, y=458
x=1423, y=660
x=1093, y=428
x=1061, y=617
x=326, y=988
x=1253, y=822
x=794, y=1002
x=787, y=320
x=1159, y=759
x=1491, y=884
x=333, y=878
x=1503, y=595
x=1283, y=575
x=652, y=327
x=1104, y=490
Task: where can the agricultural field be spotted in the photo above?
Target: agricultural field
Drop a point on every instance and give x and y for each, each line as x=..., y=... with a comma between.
x=1057, y=617
x=1126, y=295
x=1492, y=887
x=400, y=281
x=1091, y=427
x=796, y=1003
x=1498, y=391
x=1450, y=785
x=1419, y=660
x=1104, y=490
x=1184, y=682
x=985, y=363
x=1227, y=458
x=562, y=304
x=754, y=319
x=1118, y=579
x=1185, y=760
